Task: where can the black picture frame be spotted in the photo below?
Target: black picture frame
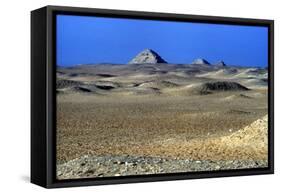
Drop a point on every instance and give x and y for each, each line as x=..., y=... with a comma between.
x=43, y=96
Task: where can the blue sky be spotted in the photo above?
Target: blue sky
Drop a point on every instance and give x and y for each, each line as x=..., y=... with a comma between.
x=90, y=40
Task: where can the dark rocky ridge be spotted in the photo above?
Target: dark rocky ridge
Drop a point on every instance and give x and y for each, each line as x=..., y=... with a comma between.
x=222, y=86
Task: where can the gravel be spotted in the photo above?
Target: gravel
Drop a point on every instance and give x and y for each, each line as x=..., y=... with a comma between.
x=108, y=166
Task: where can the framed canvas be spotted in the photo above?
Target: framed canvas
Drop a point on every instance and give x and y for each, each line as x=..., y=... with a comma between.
x=126, y=96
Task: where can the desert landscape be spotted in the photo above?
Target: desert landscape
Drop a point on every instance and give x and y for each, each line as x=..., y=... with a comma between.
x=150, y=116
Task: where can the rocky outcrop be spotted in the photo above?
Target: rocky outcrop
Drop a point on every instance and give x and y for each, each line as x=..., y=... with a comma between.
x=221, y=86
x=254, y=135
x=212, y=87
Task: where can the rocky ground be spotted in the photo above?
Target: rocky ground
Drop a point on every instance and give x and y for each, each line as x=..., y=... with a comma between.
x=108, y=166
x=253, y=136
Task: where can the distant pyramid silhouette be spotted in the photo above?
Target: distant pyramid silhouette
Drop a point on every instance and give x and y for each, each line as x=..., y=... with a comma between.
x=201, y=62
x=147, y=56
x=221, y=63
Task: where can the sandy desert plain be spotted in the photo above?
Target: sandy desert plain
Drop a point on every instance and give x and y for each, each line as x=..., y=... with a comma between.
x=149, y=116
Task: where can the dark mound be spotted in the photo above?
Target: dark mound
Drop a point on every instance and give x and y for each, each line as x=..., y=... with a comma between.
x=105, y=75
x=74, y=75
x=169, y=84
x=81, y=89
x=209, y=87
x=105, y=87
x=60, y=73
x=61, y=83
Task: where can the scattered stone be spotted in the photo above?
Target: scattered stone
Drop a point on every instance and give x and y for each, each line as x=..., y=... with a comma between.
x=108, y=166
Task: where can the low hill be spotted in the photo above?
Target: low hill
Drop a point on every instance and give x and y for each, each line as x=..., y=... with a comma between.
x=210, y=87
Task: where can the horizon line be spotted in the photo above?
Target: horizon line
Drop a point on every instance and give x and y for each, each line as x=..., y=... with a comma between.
x=211, y=64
